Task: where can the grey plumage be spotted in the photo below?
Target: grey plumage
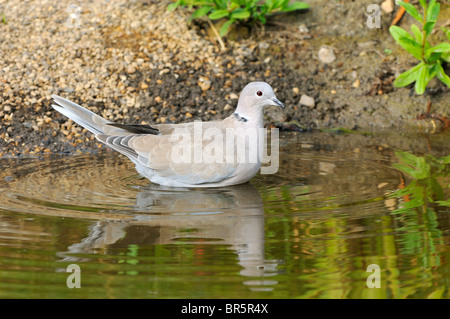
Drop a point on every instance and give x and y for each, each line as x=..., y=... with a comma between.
x=152, y=148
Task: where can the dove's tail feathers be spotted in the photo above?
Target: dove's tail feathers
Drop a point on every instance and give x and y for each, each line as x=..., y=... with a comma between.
x=80, y=115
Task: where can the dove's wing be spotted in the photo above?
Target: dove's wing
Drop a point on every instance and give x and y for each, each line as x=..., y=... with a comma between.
x=173, y=156
x=93, y=122
x=154, y=147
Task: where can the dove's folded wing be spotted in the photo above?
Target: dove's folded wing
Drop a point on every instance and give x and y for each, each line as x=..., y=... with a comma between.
x=174, y=159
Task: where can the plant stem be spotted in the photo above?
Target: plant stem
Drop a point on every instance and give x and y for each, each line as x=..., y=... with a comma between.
x=219, y=38
x=424, y=33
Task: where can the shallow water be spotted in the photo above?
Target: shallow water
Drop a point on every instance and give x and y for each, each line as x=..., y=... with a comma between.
x=309, y=231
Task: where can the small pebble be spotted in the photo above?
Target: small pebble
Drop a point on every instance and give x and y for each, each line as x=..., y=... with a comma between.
x=303, y=28
x=204, y=83
x=326, y=54
x=164, y=71
x=307, y=101
x=263, y=45
x=387, y=6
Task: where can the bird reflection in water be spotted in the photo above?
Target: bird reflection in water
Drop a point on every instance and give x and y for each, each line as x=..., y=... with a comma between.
x=231, y=216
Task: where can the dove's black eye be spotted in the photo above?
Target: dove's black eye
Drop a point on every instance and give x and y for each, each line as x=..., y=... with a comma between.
x=259, y=93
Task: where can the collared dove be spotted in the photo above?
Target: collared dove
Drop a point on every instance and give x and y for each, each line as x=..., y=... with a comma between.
x=156, y=149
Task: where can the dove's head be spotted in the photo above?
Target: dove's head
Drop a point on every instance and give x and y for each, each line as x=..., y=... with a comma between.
x=254, y=97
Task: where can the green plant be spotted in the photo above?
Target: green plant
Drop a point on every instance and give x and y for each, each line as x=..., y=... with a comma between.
x=428, y=173
x=237, y=10
x=431, y=58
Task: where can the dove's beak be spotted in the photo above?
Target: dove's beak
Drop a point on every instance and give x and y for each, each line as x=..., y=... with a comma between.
x=277, y=102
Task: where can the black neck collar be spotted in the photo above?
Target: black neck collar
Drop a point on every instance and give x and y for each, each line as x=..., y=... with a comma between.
x=240, y=118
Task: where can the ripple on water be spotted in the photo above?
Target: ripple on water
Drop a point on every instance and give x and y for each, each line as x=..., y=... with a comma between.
x=93, y=184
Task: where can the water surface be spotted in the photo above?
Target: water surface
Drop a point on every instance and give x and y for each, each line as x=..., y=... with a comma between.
x=309, y=231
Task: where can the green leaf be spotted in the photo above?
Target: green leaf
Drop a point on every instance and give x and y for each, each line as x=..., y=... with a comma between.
x=270, y=4
x=217, y=5
x=295, y=6
x=278, y=4
x=427, y=45
x=421, y=79
x=411, y=45
x=402, y=191
x=433, y=11
x=437, y=293
x=432, y=15
x=443, y=203
x=447, y=32
x=263, y=11
x=445, y=160
x=446, y=80
x=405, y=169
x=200, y=12
x=446, y=57
x=423, y=169
x=411, y=10
x=432, y=70
x=240, y=14
x=173, y=6
x=417, y=33
x=426, y=73
x=441, y=47
x=407, y=77
x=428, y=27
x=406, y=41
x=436, y=191
x=406, y=157
x=224, y=28
x=397, y=32
x=435, y=163
x=423, y=3
x=217, y=14
x=262, y=18
x=433, y=57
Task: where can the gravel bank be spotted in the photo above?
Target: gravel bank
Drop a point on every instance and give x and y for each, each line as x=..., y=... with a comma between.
x=129, y=61
x=134, y=62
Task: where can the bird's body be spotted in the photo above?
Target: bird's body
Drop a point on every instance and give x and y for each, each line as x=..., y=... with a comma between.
x=195, y=154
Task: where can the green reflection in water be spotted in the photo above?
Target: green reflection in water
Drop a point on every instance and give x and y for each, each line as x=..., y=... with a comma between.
x=430, y=180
